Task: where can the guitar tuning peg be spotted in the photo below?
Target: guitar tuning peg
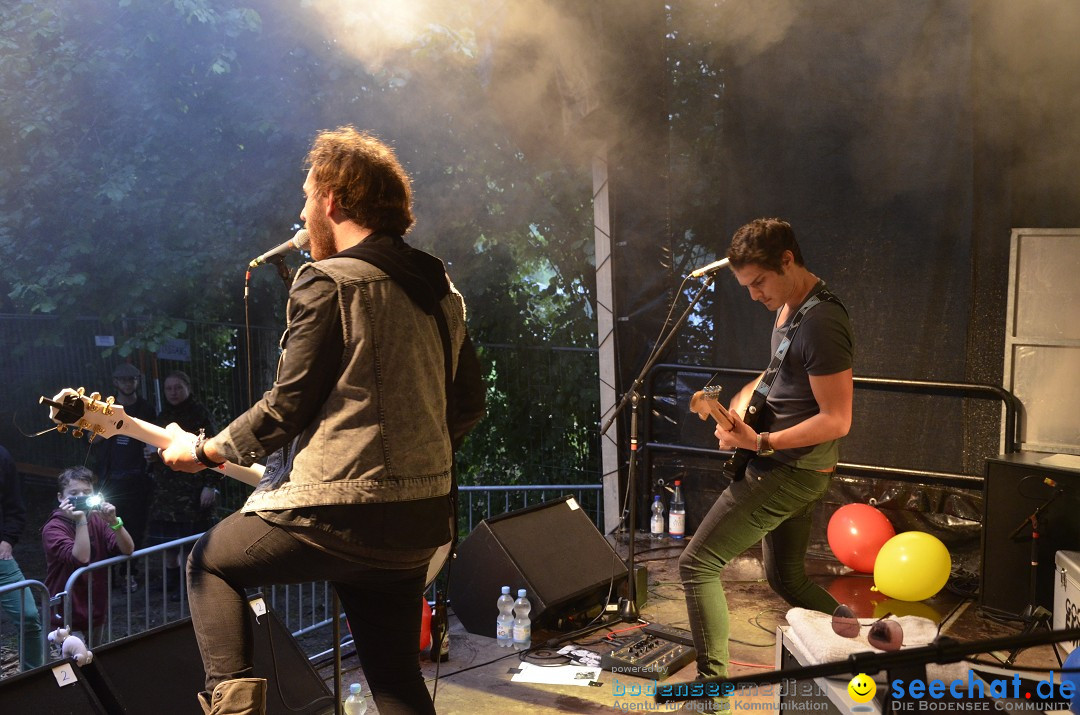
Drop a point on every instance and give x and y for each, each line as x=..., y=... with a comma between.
x=61, y=428
x=81, y=391
x=107, y=409
x=77, y=433
x=90, y=438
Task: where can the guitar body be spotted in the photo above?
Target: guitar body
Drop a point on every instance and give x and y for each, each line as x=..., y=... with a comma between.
x=706, y=403
x=735, y=466
x=81, y=413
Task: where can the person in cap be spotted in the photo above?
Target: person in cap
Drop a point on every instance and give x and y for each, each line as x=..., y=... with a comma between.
x=122, y=467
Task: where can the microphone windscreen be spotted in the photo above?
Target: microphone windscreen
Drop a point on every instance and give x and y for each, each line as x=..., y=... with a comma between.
x=301, y=239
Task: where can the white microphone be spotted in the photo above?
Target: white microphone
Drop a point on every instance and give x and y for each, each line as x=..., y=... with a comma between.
x=710, y=269
x=297, y=243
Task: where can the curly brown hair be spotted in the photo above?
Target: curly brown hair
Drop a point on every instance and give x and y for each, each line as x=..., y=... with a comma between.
x=763, y=242
x=369, y=185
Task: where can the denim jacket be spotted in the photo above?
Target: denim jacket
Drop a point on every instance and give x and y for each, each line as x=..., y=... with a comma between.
x=370, y=426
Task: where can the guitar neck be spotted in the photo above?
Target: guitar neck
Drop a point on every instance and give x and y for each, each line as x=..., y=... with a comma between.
x=157, y=436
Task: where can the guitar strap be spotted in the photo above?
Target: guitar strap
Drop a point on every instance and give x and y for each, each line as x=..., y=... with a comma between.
x=448, y=368
x=761, y=392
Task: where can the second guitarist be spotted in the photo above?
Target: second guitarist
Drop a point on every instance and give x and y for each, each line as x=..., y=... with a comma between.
x=801, y=410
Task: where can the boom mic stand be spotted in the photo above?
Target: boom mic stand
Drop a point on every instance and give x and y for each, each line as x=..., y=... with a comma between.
x=907, y=662
x=1033, y=614
x=628, y=609
x=282, y=270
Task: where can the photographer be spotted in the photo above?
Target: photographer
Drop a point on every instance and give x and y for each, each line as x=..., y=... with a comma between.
x=80, y=532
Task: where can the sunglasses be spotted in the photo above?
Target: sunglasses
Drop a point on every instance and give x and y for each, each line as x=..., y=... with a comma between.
x=884, y=634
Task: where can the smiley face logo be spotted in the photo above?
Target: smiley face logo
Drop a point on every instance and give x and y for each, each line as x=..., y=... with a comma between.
x=862, y=688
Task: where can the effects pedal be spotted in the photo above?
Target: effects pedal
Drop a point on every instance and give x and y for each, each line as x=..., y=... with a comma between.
x=648, y=657
x=678, y=635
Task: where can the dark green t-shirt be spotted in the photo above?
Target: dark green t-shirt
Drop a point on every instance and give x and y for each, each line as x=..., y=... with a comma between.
x=823, y=345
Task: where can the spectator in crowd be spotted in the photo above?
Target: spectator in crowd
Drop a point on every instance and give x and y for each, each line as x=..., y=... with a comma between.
x=183, y=504
x=18, y=605
x=121, y=463
x=78, y=534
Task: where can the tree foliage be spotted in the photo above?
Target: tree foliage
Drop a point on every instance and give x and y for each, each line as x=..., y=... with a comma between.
x=152, y=148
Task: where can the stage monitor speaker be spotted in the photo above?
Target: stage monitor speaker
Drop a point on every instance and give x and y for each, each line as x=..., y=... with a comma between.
x=1013, y=490
x=60, y=688
x=161, y=670
x=553, y=550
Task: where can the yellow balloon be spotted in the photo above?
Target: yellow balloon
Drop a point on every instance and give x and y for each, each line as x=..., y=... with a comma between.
x=912, y=566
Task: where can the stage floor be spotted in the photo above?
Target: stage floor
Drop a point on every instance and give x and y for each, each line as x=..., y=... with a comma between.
x=477, y=678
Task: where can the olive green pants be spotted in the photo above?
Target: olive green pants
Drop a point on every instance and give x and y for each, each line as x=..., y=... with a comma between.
x=774, y=503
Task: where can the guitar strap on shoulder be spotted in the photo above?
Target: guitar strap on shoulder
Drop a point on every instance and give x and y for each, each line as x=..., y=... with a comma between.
x=448, y=365
x=761, y=392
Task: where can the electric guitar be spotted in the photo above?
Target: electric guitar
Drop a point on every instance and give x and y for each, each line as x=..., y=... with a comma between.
x=90, y=416
x=93, y=417
x=705, y=403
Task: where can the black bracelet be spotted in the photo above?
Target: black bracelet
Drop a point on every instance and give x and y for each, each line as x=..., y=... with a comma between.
x=200, y=453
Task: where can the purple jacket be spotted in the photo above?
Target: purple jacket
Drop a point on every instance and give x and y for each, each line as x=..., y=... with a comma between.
x=58, y=541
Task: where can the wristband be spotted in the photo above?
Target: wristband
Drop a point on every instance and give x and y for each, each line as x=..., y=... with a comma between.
x=198, y=451
x=117, y=526
x=80, y=523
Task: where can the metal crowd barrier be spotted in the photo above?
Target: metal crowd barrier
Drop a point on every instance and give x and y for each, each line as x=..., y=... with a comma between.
x=305, y=608
x=16, y=627
x=157, y=601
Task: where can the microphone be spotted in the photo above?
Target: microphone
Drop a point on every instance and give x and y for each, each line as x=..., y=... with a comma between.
x=710, y=269
x=298, y=242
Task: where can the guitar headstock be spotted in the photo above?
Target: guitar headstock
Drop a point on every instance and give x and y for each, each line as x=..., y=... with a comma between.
x=711, y=392
x=82, y=413
x=705, y=403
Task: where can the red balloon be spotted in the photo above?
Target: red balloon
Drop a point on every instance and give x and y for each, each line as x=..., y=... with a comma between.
x=856, y=534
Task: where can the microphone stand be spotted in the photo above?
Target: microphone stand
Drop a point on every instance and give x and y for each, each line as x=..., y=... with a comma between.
x=908, y=663
x=1033, y=614
x=282, y=269
x=628, y=609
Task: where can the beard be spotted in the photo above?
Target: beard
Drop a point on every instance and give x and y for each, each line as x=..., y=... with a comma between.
x=322, y=236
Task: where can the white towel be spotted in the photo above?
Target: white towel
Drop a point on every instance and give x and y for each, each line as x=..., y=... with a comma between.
x=812, y=633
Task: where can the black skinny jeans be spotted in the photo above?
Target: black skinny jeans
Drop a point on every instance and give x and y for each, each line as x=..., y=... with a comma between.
x=244, y=551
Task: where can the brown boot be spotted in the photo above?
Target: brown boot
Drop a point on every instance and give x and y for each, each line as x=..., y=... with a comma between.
x=242, y=696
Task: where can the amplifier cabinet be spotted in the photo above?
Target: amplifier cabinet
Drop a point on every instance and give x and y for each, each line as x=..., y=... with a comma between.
x=1015, y=488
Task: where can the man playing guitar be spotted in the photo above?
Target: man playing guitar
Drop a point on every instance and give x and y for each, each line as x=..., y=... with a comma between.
x=377, y=384
x=788, y=423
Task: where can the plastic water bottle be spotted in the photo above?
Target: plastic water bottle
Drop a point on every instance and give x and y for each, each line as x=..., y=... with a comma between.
x=522, y=624
x=355, y=704
x=677, y=515
x=504, y=623
x=656, y=523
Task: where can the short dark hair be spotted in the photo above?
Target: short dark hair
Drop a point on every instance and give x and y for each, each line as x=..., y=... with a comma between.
x=763, y=242
x=74, y=474
x=369, y=184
